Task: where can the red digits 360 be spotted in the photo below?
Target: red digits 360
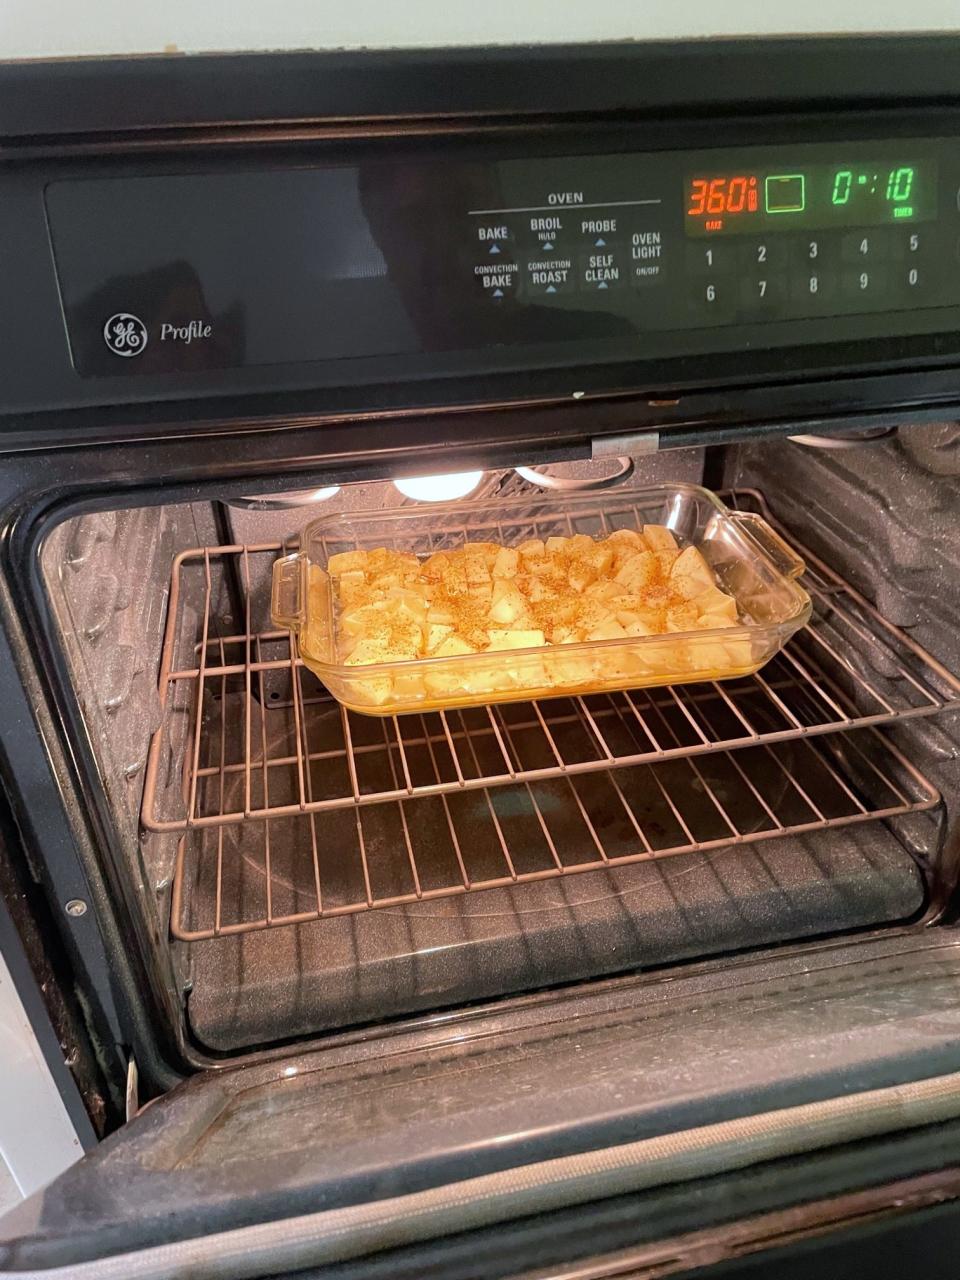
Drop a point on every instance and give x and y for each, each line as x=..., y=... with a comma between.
x=698, y=197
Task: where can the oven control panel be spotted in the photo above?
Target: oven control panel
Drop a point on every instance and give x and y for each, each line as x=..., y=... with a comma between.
x=466, y=262
x=722, y=238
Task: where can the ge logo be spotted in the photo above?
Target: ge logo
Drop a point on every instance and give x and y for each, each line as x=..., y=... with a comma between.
x=124, y=334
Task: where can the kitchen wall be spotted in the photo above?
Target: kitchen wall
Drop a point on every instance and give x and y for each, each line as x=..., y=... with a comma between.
x=48, y=28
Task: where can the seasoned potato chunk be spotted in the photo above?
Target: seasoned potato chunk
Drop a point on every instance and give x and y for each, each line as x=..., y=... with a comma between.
x=525, y=606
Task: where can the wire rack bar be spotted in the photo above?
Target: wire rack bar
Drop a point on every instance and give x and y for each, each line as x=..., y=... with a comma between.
x=848, y=669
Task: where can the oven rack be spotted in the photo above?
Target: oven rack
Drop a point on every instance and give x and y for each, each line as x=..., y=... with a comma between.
x=246, y=733
x=243, y=878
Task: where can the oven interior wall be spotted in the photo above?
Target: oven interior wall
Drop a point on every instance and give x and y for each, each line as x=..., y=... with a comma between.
x=884, y=515
x=108, y=576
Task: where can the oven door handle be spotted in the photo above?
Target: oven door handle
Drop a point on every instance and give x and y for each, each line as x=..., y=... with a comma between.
x=287, y=597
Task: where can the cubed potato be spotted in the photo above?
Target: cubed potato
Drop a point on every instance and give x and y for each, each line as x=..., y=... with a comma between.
x=347, y=561
x=666, y=560
x=603, y=589
x=556, y=546
x=682, y=617
x=434, y=566
x=372, y=691
x=453, y=646
x=640, y=571
x=445, y=682
x=488, y=551
x=659, y=538
x=581, y=574
x=454, y=577
x=569, y=670
x=507, y=639
x=476, y=568
x=408, y=685
x=610, y=629
x=740, y=654
x=506, y=563
x=533, y=548
x=634, y=625
x=360, y=621
x=436, y=634
x=690, y=564
x=631, y=538
x=507, y=602
x=601, y=557
x=624, y=543
x=715, y=601
x=409, y=599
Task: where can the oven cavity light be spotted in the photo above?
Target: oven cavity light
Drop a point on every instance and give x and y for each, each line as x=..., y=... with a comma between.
x=439, y=488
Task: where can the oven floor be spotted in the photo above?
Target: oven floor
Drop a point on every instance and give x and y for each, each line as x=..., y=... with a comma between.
x=280, y=983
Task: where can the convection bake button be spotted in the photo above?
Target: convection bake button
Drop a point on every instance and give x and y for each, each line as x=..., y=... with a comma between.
x=497, y=281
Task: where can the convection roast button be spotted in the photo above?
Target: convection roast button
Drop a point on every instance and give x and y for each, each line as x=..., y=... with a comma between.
x=549, y=274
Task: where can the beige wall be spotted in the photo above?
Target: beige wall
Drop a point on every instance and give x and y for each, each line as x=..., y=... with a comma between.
x=45, y=28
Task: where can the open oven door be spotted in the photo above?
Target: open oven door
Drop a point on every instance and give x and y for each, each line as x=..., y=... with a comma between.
x=671, y=1120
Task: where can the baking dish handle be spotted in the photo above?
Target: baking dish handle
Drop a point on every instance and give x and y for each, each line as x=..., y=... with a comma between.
x=770, y=542
x=286, y=599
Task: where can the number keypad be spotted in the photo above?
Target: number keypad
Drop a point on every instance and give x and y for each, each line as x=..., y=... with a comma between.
x=812, y=274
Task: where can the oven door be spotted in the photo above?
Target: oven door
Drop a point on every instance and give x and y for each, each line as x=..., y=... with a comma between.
x=667, y=1119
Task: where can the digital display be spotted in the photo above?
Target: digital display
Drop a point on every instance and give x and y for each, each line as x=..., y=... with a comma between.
x=869, y=194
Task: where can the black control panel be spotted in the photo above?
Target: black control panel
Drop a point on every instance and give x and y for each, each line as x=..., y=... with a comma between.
x=180, y=273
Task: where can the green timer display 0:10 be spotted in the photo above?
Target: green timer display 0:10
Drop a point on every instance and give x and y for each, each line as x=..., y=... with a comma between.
x=869, y=194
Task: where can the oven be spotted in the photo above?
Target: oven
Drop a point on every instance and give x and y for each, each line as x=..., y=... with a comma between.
x=594, y=983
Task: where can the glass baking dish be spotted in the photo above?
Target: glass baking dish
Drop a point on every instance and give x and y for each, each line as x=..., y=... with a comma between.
x=749, y=560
